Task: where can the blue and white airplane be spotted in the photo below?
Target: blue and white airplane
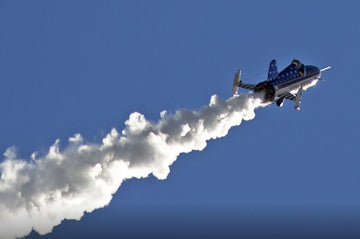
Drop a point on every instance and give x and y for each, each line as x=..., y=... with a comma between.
x=288, y=84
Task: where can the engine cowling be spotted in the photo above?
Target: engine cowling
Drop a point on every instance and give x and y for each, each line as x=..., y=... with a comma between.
x=268, y=89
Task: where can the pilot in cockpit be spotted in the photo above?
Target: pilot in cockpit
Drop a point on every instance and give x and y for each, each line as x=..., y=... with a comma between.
x=299, y=66
x=296, y=63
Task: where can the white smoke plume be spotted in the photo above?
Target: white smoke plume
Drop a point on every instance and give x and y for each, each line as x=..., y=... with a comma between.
x=63, y=184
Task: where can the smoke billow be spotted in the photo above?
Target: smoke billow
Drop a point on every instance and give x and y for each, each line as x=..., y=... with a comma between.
x=63, y=184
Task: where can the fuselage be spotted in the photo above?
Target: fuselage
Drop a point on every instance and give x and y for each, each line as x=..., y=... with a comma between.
x=289, y=80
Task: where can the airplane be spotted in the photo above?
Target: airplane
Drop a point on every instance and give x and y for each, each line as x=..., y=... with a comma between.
x=288, y=84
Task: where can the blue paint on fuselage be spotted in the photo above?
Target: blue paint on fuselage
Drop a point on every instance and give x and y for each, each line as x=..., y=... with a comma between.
x=290, y=75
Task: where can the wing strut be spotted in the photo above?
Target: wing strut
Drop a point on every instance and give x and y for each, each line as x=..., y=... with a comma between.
x=298, y=98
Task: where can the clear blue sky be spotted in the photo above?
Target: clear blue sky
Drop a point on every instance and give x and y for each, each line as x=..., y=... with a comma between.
x=71, y=67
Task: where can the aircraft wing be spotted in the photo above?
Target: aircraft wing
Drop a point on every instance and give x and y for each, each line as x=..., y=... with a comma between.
x=288, y=96
x=296, y=98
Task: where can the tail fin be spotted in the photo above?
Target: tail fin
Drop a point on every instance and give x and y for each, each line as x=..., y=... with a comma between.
x=273, y=72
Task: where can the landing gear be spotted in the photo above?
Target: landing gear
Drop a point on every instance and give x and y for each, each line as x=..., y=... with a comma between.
x=280, y=102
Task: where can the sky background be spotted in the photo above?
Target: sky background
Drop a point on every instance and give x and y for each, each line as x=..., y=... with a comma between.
x=71, y=67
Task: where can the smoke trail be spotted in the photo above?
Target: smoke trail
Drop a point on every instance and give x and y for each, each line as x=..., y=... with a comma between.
x=39, y=193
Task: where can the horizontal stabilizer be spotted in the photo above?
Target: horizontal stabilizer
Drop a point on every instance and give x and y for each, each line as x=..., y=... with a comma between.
x=247, y=86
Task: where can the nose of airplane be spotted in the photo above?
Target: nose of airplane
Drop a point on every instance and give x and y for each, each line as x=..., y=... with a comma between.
x=316, y=69
x=312, y=70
